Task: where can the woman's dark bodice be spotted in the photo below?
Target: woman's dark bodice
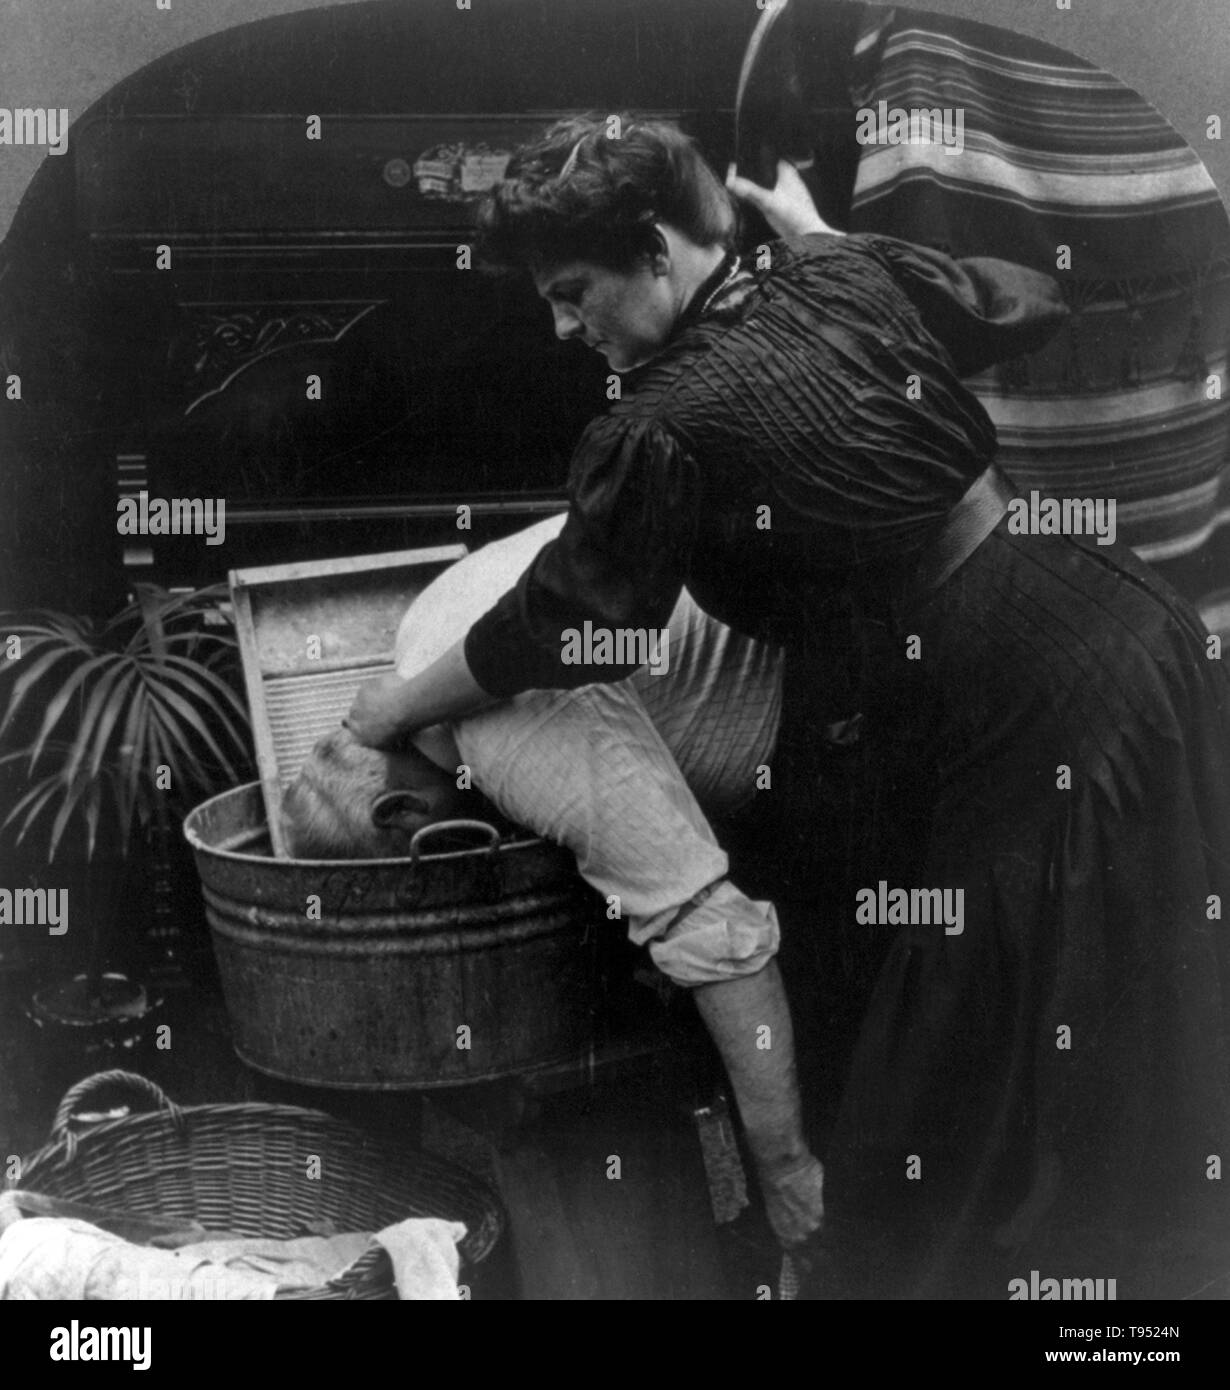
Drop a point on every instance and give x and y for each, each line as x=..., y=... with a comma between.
x=804, y=438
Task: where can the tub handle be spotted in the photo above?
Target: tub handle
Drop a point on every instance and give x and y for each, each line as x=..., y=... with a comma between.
x=479, y=827
x=110, y=1080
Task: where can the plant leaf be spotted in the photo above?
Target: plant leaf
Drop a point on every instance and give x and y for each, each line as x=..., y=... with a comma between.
x=154, y=673
x=189, y=771
x=73, y=792
x=153, y=604
x=98, y=717
x=59, y=702
x=218, y=685
x=34, y=801
x=192, y=719
x=200, y=685
x=131, y=740
x=82, y=795
x=118, y=703
x=193, y=643
x=32, y=674
x=66, y=628
x=93, y=810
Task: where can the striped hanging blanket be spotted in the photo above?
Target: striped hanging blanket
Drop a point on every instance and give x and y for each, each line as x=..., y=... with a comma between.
x=984, y=143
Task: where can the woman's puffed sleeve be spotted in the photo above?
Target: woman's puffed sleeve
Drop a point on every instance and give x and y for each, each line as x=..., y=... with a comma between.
x=980, y=309
x=618, y=564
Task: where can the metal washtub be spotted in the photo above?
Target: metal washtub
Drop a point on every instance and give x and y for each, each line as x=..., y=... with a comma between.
x=498, y=940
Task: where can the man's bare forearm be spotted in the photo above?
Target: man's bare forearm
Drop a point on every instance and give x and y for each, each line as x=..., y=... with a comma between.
x=749, y=1021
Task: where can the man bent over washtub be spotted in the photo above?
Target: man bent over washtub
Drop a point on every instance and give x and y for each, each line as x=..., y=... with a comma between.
x=624, y=776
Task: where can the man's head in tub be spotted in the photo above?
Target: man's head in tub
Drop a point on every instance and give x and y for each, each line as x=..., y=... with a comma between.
x=351, y=802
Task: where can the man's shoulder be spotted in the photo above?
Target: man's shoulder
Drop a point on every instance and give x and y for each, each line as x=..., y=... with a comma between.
x=450, y=605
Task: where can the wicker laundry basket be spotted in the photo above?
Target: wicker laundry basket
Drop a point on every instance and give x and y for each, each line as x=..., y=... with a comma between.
x=244, y=1168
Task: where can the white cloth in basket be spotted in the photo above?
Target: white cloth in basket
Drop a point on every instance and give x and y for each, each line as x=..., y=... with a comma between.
x=62, y=1258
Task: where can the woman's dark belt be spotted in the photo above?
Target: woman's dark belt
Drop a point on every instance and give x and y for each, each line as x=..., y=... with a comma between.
x=968, y=524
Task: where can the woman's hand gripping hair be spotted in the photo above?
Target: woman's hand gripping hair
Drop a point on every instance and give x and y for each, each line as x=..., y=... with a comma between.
x=787, y=207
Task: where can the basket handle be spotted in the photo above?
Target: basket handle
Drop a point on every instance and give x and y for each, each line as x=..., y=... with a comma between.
x=479, y=827
x=106, y=1080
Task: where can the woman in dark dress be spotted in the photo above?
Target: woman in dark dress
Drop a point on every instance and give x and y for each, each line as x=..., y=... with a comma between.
x=1041, y=1082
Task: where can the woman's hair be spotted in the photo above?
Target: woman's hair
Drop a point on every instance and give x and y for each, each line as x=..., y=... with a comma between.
x=591, y=189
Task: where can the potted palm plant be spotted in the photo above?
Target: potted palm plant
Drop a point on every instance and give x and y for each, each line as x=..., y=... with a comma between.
x=117, y=728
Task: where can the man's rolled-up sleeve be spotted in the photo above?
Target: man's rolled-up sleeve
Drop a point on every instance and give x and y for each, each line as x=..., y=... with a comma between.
x=618, y=564
x=721, y=935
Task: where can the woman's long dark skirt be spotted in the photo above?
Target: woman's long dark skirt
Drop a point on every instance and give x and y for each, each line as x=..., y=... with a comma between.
x=1049, y=1089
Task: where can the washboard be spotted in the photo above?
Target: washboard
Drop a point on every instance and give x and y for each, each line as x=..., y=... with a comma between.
x=310, y=634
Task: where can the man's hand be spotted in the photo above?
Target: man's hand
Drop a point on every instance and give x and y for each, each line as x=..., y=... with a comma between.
x=388, y=708
x=787, y=207
x=794, y=1201
x=738, y=1012
x=380, y=711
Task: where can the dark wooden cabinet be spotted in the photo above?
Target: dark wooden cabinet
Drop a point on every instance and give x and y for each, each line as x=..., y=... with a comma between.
x=333, y=258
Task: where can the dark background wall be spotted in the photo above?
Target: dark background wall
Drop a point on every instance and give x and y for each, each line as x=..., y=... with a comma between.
x=369, y=56
x=68, y=53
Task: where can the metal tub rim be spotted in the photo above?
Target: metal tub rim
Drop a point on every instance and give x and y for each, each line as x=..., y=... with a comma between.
x=199, y=844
